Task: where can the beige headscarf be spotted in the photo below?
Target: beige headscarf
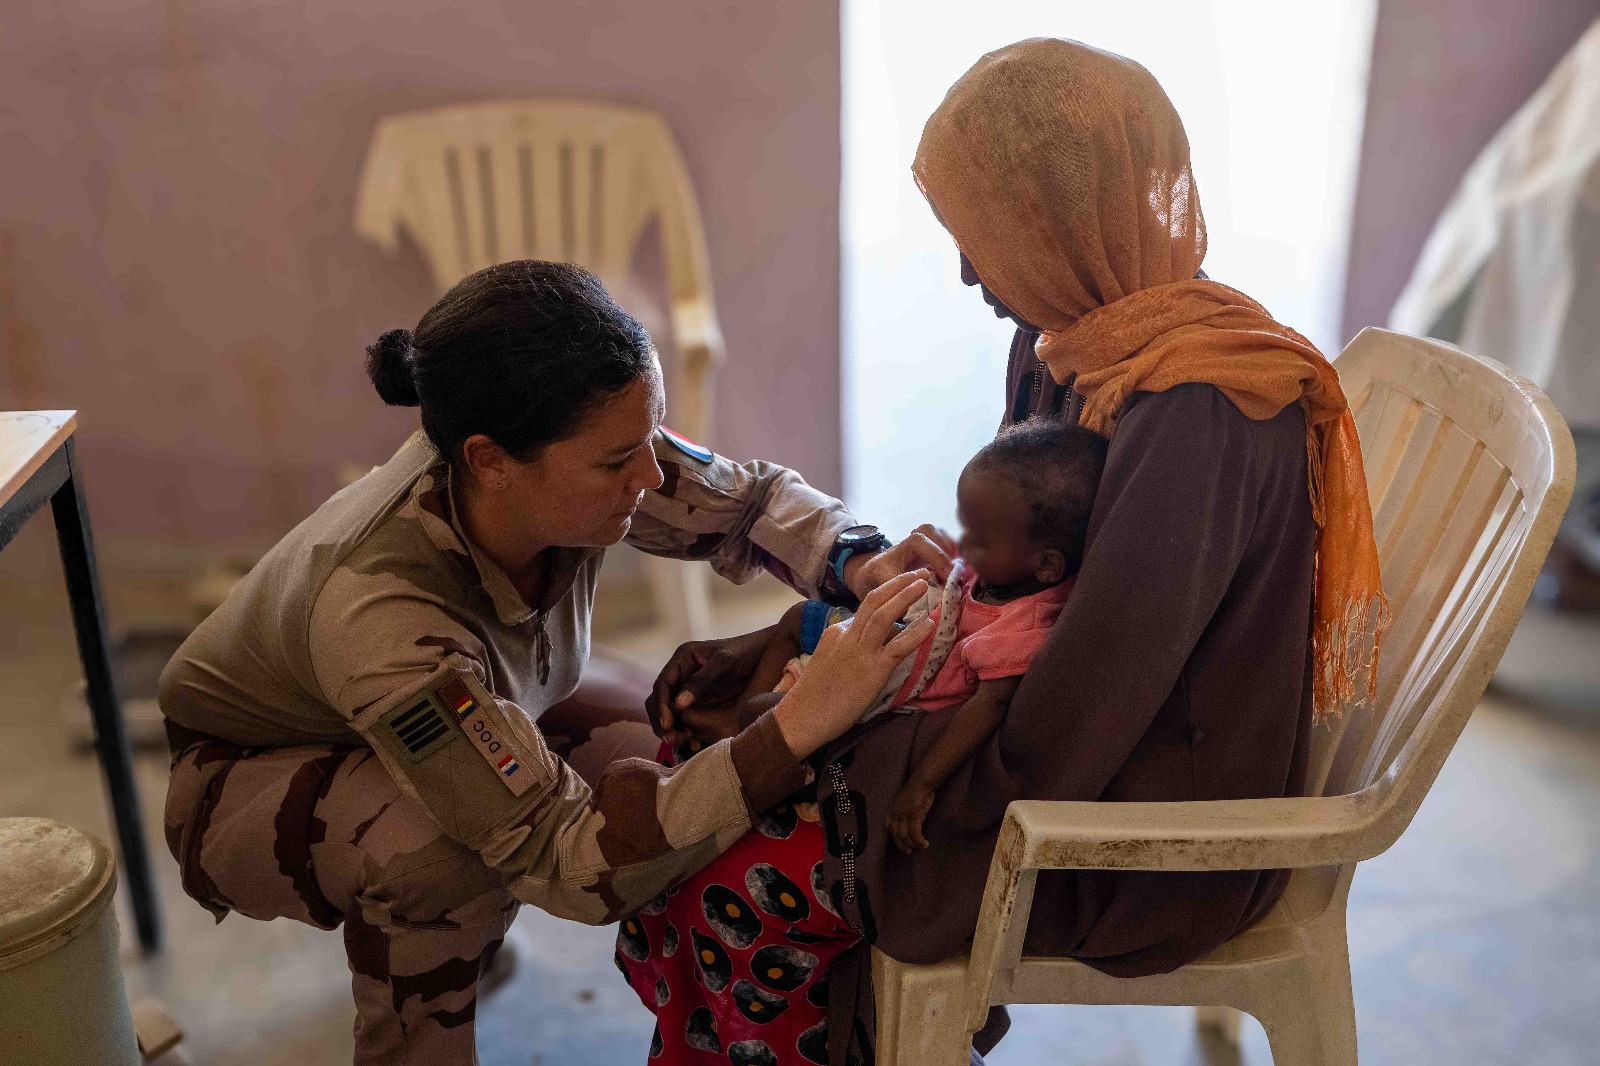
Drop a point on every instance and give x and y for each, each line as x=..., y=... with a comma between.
x=1063, y=174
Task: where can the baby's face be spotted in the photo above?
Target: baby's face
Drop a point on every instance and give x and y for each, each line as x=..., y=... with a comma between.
x=994, y=529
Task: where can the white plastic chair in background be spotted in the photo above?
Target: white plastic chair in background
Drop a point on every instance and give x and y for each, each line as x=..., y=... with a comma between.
x=564, y=181
x=1469, y=470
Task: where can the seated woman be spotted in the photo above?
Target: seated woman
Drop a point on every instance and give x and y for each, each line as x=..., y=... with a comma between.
x=1024, y=503
x=1228, y=597
x=355, y=730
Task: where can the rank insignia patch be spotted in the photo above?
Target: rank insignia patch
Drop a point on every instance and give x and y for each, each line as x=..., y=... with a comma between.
x=420, y=730
x=687, y=447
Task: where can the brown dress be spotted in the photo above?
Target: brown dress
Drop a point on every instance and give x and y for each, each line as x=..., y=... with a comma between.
x=1178, y=670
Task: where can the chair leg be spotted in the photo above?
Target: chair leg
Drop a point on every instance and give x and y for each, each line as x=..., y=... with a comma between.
x=1312, y=1021
x=1224, y=1021
x=922, y=1013
x=683, y=596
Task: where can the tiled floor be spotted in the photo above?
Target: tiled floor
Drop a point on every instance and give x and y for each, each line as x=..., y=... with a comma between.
x=1476, y=939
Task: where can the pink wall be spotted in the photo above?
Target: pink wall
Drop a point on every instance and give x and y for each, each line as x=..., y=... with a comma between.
x=177, y=262
x=1446, y=75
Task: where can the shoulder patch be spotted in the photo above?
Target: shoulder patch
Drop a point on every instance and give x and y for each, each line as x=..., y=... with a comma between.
x=698, y=452
x=488, y=732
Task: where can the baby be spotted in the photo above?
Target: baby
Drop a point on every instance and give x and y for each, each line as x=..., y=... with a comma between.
x=1023, y=502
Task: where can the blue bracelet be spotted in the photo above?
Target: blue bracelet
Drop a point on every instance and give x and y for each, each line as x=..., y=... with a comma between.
x=815, y=617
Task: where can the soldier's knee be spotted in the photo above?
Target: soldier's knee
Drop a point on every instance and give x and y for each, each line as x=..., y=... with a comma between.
x=434, y=882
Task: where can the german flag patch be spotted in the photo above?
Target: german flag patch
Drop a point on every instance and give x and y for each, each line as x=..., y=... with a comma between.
x=487, y=732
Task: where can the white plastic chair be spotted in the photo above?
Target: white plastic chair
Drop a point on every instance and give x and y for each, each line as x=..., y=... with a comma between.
x=1469, y=469
x=564, y=181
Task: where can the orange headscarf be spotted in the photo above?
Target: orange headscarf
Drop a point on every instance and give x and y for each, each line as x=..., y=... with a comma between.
x=1063, y=174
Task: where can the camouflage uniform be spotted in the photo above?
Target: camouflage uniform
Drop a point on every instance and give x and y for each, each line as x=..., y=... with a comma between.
x=355, y=735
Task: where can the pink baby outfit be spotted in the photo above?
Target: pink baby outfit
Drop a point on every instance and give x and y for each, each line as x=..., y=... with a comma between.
x=992, y=640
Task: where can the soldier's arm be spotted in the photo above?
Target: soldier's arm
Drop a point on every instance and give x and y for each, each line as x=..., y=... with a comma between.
x=413, y=682
x=740, y=517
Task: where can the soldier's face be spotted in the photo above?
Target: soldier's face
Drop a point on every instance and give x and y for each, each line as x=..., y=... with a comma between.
x=583, y=491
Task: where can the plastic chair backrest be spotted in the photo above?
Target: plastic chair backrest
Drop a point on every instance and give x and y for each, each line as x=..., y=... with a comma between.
x=1461, y=455
x=554, y=179
x=561, y=180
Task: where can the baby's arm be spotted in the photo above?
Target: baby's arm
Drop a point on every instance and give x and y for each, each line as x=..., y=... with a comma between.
x=783, y=645
x=973, y=722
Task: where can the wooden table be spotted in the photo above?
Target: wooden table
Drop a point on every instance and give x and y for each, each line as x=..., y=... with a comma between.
x=37, y=465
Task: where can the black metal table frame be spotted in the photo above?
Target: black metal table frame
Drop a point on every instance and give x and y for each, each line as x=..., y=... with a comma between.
x=56, y=482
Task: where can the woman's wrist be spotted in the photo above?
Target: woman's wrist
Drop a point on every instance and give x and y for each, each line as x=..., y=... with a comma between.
x=751, y=709
x=800, y=719
x=789, y=625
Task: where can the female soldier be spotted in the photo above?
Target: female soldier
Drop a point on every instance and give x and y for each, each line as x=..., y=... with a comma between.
x=1229, y=591
x=354, y=728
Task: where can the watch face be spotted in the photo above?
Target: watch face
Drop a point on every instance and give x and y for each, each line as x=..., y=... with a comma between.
x=856, y=534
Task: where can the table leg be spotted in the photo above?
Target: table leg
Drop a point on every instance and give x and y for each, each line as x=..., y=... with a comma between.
x=110, y=736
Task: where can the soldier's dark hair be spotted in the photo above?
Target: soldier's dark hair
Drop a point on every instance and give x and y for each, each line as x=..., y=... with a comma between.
x=521, y=352
x=1057, y=469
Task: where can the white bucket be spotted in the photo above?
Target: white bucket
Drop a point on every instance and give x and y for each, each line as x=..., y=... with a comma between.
x=62, y=1001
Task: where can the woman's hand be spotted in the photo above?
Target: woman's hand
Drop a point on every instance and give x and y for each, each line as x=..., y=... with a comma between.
x=851, y=665
x=927, y=546
x=700, y=729
x=704, y=674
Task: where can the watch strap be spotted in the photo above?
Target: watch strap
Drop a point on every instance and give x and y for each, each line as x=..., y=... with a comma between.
x=834, y=591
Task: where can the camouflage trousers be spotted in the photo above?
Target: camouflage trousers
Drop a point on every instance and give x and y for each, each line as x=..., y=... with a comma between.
x=323, y=835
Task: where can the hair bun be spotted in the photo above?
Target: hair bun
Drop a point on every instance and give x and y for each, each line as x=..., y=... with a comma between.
x=389, y=367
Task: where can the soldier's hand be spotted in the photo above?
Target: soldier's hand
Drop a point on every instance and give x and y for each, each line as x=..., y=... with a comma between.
x=927, y=546
x=851, y=665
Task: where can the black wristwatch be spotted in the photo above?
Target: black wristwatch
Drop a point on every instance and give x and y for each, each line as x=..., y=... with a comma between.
x=857, y=540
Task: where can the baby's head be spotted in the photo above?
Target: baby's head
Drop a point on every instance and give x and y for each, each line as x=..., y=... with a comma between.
x=1024, y=502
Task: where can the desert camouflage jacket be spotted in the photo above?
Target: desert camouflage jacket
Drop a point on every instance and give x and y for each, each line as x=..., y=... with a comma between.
x=377, y=622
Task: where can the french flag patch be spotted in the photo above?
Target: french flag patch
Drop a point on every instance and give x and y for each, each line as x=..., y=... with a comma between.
x=687, y=446
x=509, y=765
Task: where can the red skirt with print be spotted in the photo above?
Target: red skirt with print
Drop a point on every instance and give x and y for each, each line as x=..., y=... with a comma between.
x=734, y=961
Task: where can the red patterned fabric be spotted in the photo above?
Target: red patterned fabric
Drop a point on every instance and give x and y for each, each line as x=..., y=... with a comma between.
x=734, y=961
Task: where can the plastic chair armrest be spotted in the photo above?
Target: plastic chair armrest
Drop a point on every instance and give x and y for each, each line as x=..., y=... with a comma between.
x=1254, y=834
